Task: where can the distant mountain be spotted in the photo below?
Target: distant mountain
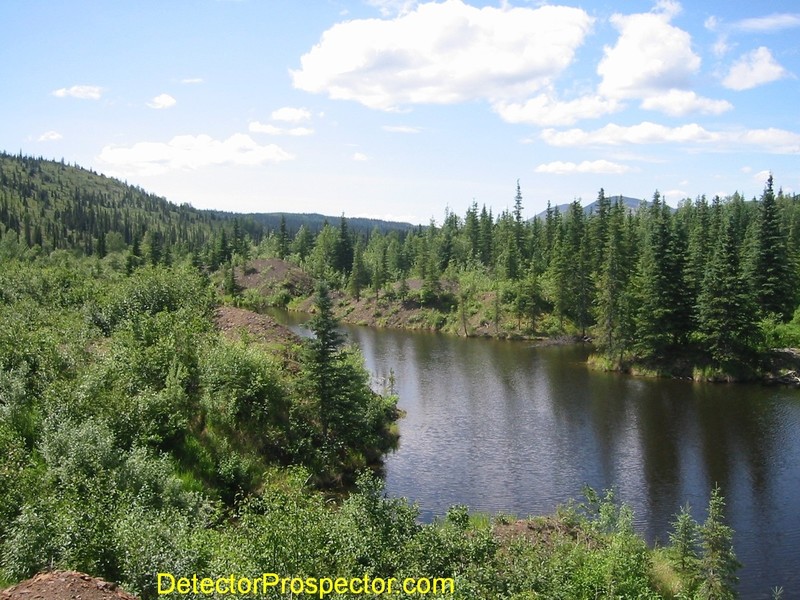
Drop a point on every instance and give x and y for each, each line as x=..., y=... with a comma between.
x=632, y=204
x=315, y=222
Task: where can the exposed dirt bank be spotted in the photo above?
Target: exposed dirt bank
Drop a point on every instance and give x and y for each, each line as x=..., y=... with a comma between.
x=65, y=585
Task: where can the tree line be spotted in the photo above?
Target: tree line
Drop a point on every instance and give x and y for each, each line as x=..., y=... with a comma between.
x=709, y=283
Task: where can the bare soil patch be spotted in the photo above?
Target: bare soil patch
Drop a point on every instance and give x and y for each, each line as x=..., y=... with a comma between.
x=271, y=275
x=65, y=585
x=234, y=322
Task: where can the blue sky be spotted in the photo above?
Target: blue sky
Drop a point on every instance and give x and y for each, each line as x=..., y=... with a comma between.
x=399, y=109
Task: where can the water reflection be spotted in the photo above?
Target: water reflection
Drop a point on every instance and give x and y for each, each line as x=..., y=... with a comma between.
x=506, y=427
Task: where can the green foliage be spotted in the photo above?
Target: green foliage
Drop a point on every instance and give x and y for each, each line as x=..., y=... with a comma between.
x=718, y=564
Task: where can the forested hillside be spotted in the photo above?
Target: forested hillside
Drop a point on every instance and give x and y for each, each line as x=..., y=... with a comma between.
x=55, y=206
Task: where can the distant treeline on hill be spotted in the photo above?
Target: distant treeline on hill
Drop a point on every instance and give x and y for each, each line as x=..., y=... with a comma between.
x=315, y=222
x=50, y=205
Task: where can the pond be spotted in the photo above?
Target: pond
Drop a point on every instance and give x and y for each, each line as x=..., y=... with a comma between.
x=507, y=427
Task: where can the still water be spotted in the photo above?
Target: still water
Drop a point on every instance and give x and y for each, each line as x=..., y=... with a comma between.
x=506, y=427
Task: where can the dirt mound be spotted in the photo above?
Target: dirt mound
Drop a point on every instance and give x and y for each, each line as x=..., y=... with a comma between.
x=262, y=328
x=65, y=585
x=271, y=275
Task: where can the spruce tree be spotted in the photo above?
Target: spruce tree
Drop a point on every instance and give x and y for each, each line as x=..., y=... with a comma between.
x=613, y=310
x=725, y=308
x=344, y=248
x=683, y=542
x=772, y=277
x=659, y=324
x=358, y=274
x=323, y=351
x=283, y=239
x=718, y=563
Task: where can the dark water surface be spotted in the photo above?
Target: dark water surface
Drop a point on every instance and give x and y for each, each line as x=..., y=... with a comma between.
x=505, y=427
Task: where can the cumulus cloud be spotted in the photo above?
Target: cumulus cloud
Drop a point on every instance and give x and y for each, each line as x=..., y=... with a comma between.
x=189, y=152
x=83, y=92
x=545, y=110
x=753, y=69
x=678, y=103
x=162, y=101
x=291, y=114
x=587, y=166
x=360, y=157
x=258, y=127
x=653, y=61
x=50, y=136
x=772, y=140
x=443, y=53
x=650, y=56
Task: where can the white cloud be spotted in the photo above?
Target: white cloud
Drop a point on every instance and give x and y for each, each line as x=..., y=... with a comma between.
x=613, y=135
x=393, y=7
x=761, y=177
x=291, y=115
x=50, y=136
x=594, y=166
x=192, y=80
x=189, y=152
x=443, y=53
x=650, y=55
x=677, y=103
x=162, y=101
x=359, y=157
x=401, y=129
x=721, y=47
x=769, y=23
x=83, y=92
x=652, y=60
x=544, y=110
x=674, y=195
x=753, y=69
x=258, y=127
x=772, y=140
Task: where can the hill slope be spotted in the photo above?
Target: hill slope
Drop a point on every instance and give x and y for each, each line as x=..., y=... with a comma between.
x=53, y=205
x=57, y=206
x=631, y=204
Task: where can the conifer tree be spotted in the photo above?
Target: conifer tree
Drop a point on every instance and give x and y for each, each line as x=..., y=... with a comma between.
x=718, y=563
x=773, y=274
x=323, y=352
x=657, y=280
x=303, y=242
x=358, y=273
x=283, y=239
x=599, y=229
x=344, y=248
x=726, y=312
x=613, y=311
x=683, y=542
x=472, y=231
x=699, y=247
